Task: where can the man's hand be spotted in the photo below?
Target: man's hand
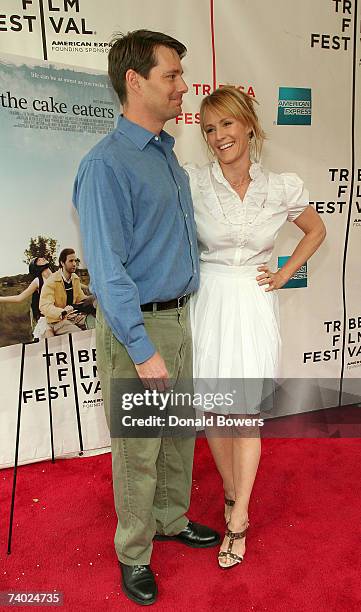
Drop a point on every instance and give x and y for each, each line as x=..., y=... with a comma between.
x=66, y=311
x=153, y=373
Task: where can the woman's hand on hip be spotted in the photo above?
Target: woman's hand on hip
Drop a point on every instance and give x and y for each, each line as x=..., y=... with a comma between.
x=274, y=280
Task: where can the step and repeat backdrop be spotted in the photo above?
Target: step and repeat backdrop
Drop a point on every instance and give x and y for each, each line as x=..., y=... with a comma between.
x=301, y=61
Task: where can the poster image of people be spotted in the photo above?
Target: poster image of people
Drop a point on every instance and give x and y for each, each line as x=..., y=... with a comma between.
x=51, y=304
x=50, y=116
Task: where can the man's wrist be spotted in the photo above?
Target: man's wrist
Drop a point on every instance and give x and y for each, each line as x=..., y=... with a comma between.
x=141, y=353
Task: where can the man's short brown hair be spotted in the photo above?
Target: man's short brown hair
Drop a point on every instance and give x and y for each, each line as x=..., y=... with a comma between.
x=137, y=51
x=63, y=255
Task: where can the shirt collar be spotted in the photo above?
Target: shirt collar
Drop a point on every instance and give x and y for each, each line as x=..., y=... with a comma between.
x=255, y=172
x=65, y=279
x=140, y=136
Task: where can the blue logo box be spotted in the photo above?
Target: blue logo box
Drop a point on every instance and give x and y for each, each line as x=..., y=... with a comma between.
x=294, y=106
x=299, y=279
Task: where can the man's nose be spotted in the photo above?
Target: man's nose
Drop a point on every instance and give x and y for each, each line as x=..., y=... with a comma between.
x=183, y=87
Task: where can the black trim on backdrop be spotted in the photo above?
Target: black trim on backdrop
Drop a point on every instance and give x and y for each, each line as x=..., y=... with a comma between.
x=76, y=394
x=43, y=32
x=12, y=506
x=353, y=135
x=17, y=440
x=49, y=399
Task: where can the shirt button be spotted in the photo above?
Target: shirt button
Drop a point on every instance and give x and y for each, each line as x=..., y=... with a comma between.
x=156, y=138
x=186, y=215
x=179, y=188
x=195, y=271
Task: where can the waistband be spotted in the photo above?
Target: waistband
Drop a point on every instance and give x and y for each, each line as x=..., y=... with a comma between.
x=241, y=271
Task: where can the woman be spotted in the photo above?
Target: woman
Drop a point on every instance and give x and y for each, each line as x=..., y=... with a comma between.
x=39, y=268
x=239, y=209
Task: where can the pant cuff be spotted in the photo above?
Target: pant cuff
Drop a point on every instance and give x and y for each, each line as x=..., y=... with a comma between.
x=143, y=560
x=174, y=528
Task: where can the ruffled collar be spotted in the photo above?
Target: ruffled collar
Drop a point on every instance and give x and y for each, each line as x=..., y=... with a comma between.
x=224, y=202
x=255, y=172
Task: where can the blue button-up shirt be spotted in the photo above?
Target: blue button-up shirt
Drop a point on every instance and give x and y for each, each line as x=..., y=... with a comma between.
x=137, y=227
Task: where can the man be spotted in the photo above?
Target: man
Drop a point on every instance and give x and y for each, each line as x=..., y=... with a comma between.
x=133, y=199
x=60, y=291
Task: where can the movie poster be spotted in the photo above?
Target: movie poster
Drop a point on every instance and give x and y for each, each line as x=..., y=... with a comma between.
x=50, y=116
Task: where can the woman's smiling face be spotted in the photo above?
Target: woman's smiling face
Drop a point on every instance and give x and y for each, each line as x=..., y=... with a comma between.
x=227, y=136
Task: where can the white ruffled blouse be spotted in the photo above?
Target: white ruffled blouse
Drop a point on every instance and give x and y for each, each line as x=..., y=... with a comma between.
x=235, y=232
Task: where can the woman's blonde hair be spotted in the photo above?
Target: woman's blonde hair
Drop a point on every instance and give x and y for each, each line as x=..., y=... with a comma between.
x=230, y=101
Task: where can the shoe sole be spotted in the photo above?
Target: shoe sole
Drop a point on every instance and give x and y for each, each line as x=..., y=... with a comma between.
x=161, y=538
x=137, y=600
x=227, y=567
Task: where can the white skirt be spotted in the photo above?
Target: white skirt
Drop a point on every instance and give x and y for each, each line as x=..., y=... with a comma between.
x=236, y=336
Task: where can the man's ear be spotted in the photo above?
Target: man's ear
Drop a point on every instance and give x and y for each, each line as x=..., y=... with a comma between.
x=132, y=80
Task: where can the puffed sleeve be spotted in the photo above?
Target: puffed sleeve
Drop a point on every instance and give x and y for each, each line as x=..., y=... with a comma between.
x=296, y=195
x=192, y=171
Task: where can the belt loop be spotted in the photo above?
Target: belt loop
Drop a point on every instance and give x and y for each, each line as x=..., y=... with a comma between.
x=154, y=308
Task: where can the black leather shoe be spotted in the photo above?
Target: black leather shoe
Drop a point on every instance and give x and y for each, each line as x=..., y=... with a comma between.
x=194, y=535
x=138, y=583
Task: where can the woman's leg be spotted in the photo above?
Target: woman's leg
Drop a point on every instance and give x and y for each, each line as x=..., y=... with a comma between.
x=246, y=455
x=237, y=457
x=222, y=451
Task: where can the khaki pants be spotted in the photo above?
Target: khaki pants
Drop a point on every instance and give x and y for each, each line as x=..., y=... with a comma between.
x=64, y=327
x=152, y=477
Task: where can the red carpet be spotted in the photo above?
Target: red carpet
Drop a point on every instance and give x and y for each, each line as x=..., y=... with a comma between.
x=302, y=548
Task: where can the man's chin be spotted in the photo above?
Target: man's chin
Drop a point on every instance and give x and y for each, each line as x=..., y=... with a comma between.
x=175, y=112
